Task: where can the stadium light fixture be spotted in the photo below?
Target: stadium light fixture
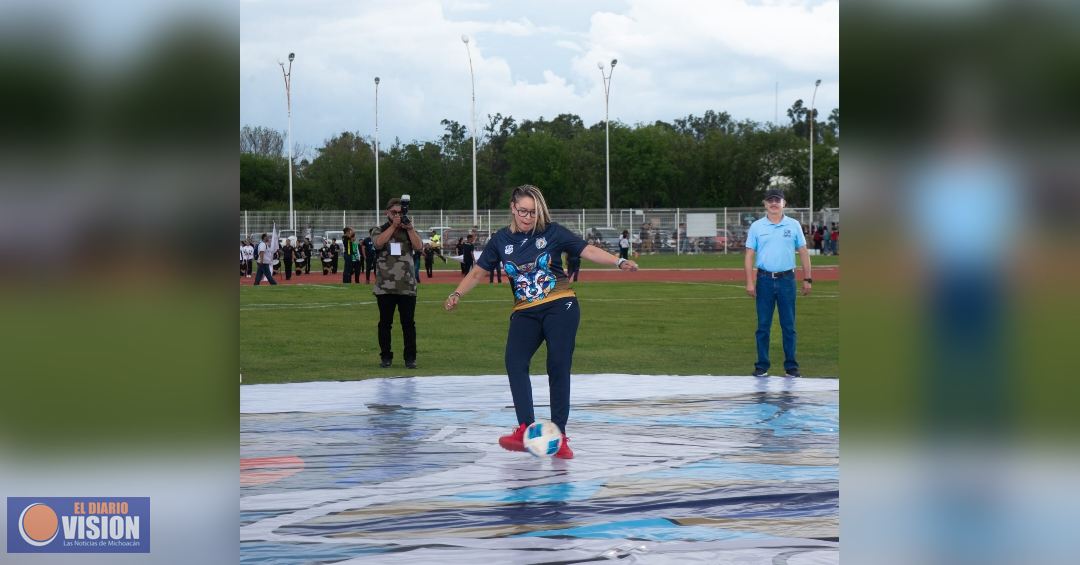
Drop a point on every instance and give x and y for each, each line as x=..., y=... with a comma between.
x=472, y=79
x=377, y=202
x=817, y=83
x=607, y=130
x=288, y=105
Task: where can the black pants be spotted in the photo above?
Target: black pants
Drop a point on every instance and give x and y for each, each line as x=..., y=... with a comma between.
x=288, y=270
x=557, y=324
x=574, y=268
x=624, y=252
x=466, y=267
x=368, y=270
x=307, y=265
x=427, y=266
x=496, y=272
x=406, y=307
x=333, y=265
x=352, y=271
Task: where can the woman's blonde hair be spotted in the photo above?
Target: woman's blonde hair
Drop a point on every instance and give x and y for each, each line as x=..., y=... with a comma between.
x=543, y=217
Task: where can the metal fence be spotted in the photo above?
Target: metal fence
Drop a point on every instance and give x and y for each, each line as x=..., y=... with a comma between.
x=652, y=230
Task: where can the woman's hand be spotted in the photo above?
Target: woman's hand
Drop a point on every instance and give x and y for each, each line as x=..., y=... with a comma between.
x=628, y=265
x=452, y=301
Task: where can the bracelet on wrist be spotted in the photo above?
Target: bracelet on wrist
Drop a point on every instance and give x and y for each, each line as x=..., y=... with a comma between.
x=619, y=262
x=455, y=293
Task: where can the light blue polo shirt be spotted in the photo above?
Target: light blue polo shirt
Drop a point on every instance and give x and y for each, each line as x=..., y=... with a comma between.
x=775, y=244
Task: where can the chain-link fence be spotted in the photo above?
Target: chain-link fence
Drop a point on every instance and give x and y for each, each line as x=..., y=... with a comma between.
x=651, y=230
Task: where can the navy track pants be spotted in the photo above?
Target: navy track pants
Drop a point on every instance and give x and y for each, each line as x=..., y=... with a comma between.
x=556, y=323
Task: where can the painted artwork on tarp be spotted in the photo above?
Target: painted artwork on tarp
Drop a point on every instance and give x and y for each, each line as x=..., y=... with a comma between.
x=667, y=469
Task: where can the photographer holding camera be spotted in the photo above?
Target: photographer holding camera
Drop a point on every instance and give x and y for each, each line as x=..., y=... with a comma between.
x=395, y=280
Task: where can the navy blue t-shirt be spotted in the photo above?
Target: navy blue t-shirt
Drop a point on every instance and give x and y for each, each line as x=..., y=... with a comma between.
x=533, y=262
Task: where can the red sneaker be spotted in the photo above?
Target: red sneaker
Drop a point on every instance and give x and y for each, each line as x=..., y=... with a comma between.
x=515, y=441
x=564, y=451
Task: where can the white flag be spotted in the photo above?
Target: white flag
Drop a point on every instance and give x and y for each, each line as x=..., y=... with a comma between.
x=273, y=241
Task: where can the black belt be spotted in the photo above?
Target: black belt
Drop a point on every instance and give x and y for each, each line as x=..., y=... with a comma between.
x=779, y=275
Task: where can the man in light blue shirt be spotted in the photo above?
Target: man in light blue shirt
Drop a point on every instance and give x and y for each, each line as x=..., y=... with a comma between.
x=771, y=243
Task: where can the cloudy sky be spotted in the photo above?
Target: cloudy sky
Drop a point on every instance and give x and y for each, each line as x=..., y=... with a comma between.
x=530, y=59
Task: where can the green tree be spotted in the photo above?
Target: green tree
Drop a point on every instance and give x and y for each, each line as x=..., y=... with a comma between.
x=264, y=182
x=695, y=161
x=540, y=159
x=342, y=175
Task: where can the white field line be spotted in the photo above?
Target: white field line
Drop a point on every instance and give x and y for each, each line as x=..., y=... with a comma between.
x=302, y=306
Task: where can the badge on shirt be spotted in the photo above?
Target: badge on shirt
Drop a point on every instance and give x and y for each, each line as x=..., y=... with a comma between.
x=541, y=243
x=508, y=249
x=395, y=248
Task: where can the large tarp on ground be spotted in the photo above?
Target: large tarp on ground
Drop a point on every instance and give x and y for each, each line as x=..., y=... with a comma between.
x=668, y=469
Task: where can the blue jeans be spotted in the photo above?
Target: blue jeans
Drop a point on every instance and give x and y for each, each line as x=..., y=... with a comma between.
x=779, y=294
x=264, y=272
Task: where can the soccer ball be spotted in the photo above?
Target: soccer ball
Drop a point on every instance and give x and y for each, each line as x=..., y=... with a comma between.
x=543, y=438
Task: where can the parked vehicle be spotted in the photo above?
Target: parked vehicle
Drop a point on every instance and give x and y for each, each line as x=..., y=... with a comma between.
x=608, y=237
x=425, y=235
x=734, y=238
x=330, y=237
x=286, y=234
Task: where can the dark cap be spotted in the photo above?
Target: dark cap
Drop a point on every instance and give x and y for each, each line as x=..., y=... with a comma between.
x=774, y=192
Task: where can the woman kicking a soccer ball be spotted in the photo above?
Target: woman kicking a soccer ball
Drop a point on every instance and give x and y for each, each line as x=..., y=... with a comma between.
x=545, y=307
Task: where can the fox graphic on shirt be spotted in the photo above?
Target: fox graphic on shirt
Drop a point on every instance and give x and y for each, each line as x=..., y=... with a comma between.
x=533, y=281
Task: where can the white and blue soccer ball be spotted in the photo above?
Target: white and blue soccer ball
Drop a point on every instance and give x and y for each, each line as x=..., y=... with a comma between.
x=543, y=438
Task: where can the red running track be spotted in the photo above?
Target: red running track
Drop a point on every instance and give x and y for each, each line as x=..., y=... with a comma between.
x=826, y=273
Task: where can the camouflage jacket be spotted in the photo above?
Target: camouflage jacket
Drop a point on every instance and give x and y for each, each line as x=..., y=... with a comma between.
x=394, y=273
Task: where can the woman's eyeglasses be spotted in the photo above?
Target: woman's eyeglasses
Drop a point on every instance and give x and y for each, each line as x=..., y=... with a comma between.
x=523, y=213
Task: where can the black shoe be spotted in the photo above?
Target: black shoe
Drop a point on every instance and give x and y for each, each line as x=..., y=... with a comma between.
x=410, y=364
x=385, y=363
x=760, y=373
x=793, y=373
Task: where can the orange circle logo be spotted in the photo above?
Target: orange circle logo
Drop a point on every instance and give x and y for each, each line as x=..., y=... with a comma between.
x=38, y=524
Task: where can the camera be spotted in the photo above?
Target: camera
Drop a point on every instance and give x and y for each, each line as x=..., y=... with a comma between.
x=405, y=220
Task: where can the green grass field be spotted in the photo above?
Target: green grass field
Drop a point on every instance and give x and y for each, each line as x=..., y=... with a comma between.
x=659, y=261
x=312, y=333
x=708, y=261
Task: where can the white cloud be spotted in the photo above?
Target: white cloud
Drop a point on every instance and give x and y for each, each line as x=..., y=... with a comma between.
x=519, y=28
x=566, y=44
x=675, y=58
x=465, y=6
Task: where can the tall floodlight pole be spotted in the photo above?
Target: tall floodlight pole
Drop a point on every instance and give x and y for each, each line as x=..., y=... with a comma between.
x=472, y=79
x=288, y=104
x=816, y=85
x=377, y=204
x=607, y=130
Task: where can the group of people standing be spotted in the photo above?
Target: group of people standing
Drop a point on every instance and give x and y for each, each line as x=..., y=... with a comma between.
x=294, y=259
x=359, y=256
x=297, y=259
x=827, y=239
